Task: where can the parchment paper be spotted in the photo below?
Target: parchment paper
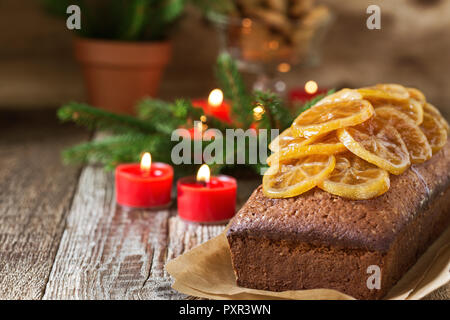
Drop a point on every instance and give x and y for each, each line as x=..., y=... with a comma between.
x=206, y=272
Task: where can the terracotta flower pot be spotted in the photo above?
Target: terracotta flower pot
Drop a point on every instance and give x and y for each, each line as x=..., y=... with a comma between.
x=118, y=74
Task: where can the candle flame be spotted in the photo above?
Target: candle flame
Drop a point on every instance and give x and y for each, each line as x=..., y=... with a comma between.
x=311, y=87
x=146, y=162
x=215, y=98
x=203, y=173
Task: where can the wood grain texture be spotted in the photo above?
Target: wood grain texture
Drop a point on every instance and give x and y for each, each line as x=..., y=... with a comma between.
x=108, y=252
x=35, y=193
x=104, y=253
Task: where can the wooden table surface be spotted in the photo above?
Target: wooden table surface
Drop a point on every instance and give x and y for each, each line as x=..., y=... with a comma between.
x=62, y=235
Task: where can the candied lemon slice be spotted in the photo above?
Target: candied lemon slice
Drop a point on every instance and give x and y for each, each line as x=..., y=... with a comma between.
x=331, y=116
x=416, y=94
x=377, y=143
x=396, y=96
x=393, y=88
x=355, y=178
x=286, y=139
x=412, y=109
x=385, y=93
x=329, y=144
x=434, y=131
x=293, y=177
x=428, y=107
x=341, y=95
x=415, y=140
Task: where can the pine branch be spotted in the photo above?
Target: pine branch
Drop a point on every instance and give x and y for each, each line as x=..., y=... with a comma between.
x=146, y=107
x=152, y=128
x=276, y=114
x=183, y=110
x=101, y=151
x=180, y=110
x=161, y=114
x=113, y=150
x=93, y=118
x=234, y=89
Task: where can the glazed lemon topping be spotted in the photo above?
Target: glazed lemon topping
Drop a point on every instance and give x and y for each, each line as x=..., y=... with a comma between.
x=349, y=142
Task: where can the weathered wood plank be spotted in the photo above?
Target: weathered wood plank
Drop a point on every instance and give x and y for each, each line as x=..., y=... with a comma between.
x=97, y=255
x=107, y=252
x=35, y=192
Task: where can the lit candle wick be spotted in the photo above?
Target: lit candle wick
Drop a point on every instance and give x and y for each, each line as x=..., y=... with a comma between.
x=203, y=174
x=311, y=87
x=146, y=163
x=215, y=98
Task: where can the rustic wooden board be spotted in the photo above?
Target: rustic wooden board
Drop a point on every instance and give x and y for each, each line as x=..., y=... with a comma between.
x=108, y=252
x=35, y=193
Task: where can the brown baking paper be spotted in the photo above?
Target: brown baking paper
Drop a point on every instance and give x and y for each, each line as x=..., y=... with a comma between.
x=206, y=272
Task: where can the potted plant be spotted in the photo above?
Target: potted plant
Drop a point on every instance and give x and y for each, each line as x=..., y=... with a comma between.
x=122, y=47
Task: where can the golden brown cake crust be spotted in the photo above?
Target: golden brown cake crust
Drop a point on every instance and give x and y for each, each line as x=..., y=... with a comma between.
x=320, y=218
x=318, y=240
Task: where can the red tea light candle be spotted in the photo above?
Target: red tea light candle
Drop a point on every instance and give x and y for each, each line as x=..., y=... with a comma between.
x=215, y=106
x=206, y=199
x=309, y=91
x=145, y=184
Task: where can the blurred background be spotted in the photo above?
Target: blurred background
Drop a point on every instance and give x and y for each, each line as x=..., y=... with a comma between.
x=38, y=69
x=173, y=45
